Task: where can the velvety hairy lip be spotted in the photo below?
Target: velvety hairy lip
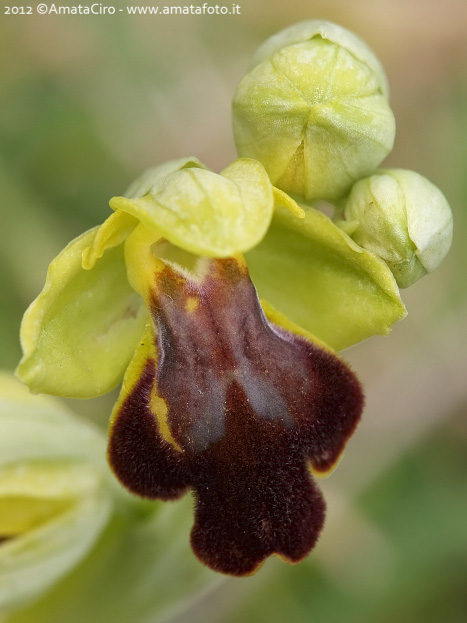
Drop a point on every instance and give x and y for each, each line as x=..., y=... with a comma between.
x=236, y=409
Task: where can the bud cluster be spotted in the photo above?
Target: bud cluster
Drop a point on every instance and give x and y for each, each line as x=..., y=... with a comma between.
x=314, y=111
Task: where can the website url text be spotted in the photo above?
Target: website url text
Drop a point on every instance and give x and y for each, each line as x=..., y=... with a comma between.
x=101, y=9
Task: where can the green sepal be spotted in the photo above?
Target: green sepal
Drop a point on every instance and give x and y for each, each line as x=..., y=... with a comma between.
x=312, y=272
x=207, y=213
x=80, y=333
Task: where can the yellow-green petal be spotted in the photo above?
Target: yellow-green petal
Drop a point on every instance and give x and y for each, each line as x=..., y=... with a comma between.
x=207, y=213
x=79, y=334
x=113, y=231
x=312, y=272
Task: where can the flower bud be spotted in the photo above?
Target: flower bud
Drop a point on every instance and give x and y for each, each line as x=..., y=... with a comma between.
x=404, y=219
x=314, y=110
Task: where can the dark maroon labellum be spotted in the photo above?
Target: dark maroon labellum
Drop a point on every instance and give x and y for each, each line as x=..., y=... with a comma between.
x=248, y=406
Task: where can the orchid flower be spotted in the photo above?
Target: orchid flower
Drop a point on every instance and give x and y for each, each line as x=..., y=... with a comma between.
x=222, y=394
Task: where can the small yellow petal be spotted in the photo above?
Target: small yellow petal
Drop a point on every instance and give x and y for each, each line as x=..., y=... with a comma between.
x=111, y=233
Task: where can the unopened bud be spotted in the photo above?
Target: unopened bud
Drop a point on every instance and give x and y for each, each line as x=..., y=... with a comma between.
x=314, y=110
x=404, y=219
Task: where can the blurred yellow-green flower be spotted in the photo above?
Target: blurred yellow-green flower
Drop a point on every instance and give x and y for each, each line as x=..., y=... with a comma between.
x=56, y=495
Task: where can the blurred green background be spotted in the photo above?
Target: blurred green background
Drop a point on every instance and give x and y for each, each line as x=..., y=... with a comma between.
x=88, y=102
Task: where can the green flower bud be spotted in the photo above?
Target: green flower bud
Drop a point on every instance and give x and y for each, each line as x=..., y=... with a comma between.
x=404, y=219
x=314, y=110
